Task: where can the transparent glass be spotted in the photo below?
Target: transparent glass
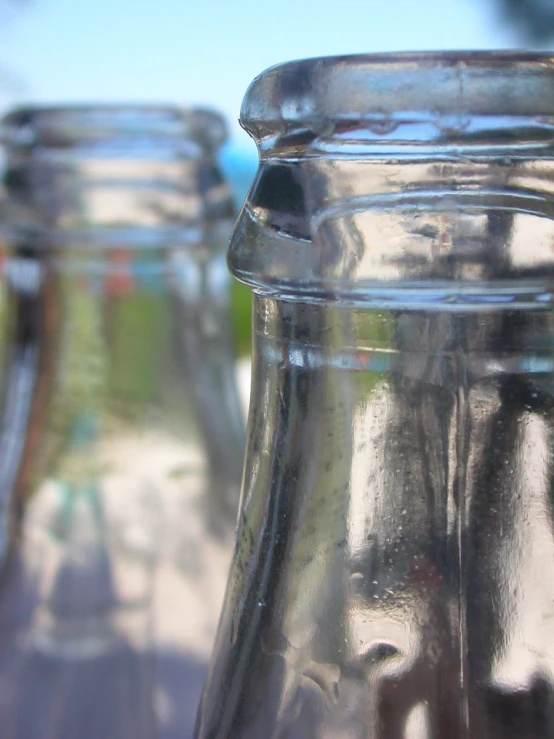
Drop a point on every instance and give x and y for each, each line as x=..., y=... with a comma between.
x=392, y=577
x=122, y=446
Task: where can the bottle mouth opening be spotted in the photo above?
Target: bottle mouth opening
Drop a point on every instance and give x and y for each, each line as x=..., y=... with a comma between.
x=63, y=126
x=376, y=96
x=413, y=179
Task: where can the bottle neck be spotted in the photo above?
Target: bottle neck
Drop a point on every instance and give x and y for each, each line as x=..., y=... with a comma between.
x=442, y=230
x=447, y=348
x=134, y=175
x=406, y=179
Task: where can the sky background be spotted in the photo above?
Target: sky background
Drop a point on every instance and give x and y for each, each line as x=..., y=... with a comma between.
x=208, y=51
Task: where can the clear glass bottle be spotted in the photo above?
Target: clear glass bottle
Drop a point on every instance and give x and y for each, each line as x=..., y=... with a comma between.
x=392, y=576
x=126, y=431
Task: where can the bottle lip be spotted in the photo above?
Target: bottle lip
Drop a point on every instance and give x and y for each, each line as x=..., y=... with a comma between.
x=89, y=123
x=316, y=94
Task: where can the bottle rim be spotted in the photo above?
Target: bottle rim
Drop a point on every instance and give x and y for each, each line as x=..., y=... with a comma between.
x=317, y=95
x=90, y=123
x=400, y=179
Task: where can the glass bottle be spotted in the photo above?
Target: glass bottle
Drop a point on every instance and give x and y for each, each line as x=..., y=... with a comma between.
x=392, y=577
x=128, y=441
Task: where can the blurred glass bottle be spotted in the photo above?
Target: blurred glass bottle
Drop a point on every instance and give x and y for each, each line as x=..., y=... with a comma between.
x=392, y=572
x=126, y=436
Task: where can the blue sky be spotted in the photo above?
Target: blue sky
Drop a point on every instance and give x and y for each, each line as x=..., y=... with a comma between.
x=207, y=51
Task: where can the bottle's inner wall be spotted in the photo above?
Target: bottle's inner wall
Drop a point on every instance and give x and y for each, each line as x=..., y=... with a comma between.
x=396, y=533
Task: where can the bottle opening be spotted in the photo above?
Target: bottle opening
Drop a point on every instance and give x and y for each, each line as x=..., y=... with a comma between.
x=104, y=176
x=64, y=126
x=441, y=94
x=423, y=177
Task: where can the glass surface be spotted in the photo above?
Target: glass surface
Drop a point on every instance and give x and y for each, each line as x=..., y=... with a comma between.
x=392, y=576
x=123, y=434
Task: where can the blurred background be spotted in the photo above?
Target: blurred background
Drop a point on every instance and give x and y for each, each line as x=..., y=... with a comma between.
x=183, y=52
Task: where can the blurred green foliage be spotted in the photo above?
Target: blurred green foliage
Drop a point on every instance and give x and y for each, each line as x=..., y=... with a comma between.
x=138, y=332
x=241, y=307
